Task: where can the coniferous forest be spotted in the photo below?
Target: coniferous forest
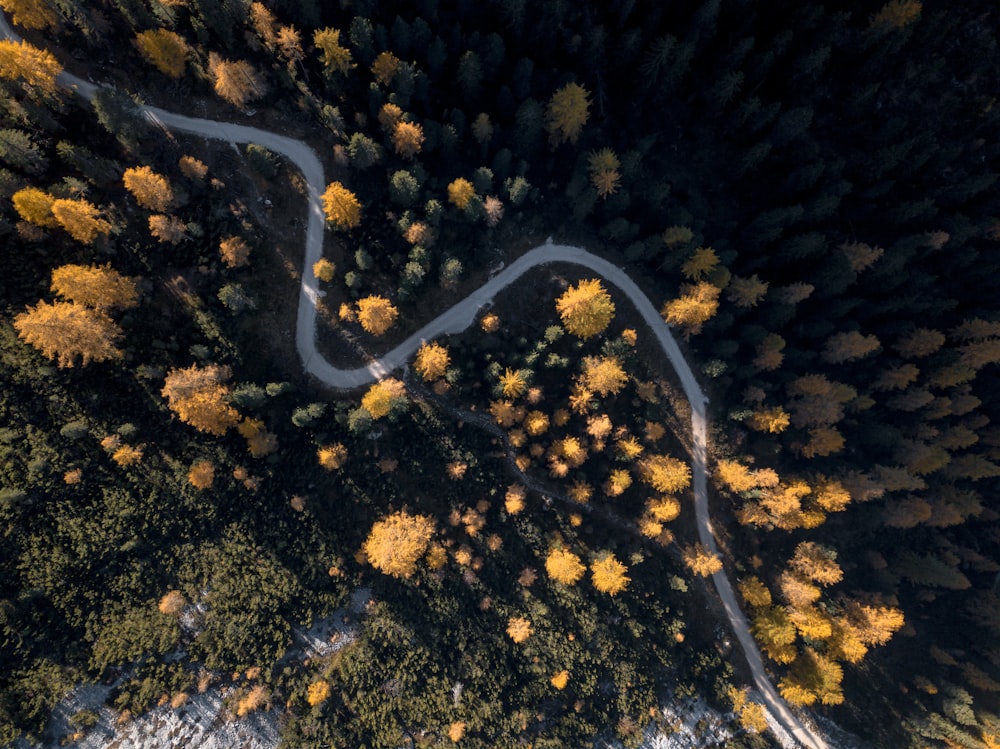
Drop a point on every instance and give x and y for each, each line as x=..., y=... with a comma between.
x=807, y=190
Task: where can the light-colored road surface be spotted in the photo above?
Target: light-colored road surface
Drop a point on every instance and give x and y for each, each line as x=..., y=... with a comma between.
x=460, y=317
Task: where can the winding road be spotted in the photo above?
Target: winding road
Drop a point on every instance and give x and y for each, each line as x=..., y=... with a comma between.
x=460, y=317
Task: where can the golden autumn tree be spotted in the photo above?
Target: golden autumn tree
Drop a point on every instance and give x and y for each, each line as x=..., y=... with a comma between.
x=567, y=113
x=332, y=457
x=80, y=219
x=341, y=206
x=150, y=190
x=236, y=81
x=608, y=574
x=376, y=314
x=202, y=474
x=734, y=476
x=603, y=375
x=168, y=229
x=461, y=192
x=432, y=361
x=200, y=397
x=36, y=67
x=165, y=50
x=99, y=287
x=664, y=473
x=513, y=383
x=318, y=693
x=64, y=331
x=696, y=305
x=396, y=543
x=896, y=14
x=234, y=251
x=518, y=629
x=586, y=309
x=385, y=67
x=603, y=166
x=31, y=14
x=335, y=56
x=324, y=269
x=381, y=397
x=701, y=264
x=35, y=207
x=564, y=566
x=701, y=560
x=407, y=139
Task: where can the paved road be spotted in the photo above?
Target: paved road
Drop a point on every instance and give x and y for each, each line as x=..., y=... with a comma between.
x=460, y=317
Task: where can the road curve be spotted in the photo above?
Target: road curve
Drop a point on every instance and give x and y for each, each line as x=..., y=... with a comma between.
x=460, y=317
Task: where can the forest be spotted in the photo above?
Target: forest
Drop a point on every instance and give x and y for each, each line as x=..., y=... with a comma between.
x=807, y=190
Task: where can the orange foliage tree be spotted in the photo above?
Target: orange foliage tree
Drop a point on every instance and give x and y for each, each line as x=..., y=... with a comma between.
x=696, y=305
x=36, y=67
x=235, y=252
x=99, y=287
x=608, y=574
x=664, y=473
x=701, y=560
x=376, y=314
x=461, y=192
x=564, y=566
x=519, y=629
x=31, y=14
x=64, y=331
x=432, y=361
x=80, y=219
x=151, y=190
x=396, y=543
x=603, y=375
x=381, y=397
x=35, y=207
x=236, y=81
x=586, y=309
x=200, y=397
x=165, y=50
x=341, y=206
x=407, y=139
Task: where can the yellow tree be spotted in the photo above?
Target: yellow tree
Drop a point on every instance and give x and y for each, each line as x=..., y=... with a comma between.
x=151, y=190
x=332, y=457
x=200, y=397
x=324, y=269
x=567, y=113
x=236, y=81
x=564, y=566
x=604, y=176
x=341, y=206
x=165, y=50
x=80, y=219
x=603, y=375
x=518, y=629
x=817, y=563
x=385, y=67
x=432, y=361
x=608, y=574
x=701, y=560
x=461, y=192
x=381, y=396
x=192, y=168
x=513, y=383
x=586, y=309
x=336, y=57
x=92, y=286
x=202, y=474
x=407, y=139
x=774, y=420
x=318, y=692
x=734, y=476
x=664, y=473
x=701, y=264
x=376, y=314
x=36, y=67
x=396, y=543
x=235, y=252
x=64, y=331
x=31, y=14
x=35, y=207
x=169, y=229
x=696, y=305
